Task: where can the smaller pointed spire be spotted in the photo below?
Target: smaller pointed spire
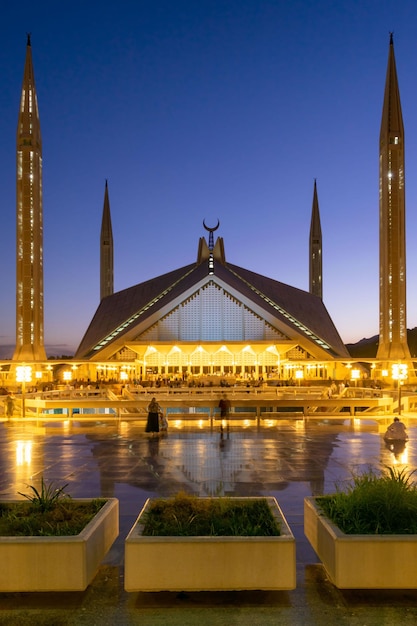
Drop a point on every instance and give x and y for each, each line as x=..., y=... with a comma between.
x=316, y=261
x=106, y=249
x=28, y=39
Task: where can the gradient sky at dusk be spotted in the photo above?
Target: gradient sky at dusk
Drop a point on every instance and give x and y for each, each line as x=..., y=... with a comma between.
x=206, y=110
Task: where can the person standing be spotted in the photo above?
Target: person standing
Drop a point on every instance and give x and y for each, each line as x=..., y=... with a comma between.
x=9, y=406
x=224, y=406
x=152, y=425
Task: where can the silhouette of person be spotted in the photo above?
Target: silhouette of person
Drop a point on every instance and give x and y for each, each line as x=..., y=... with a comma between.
x=396, y=431
x=9, y=406
x=152, y=425
x=224, y=406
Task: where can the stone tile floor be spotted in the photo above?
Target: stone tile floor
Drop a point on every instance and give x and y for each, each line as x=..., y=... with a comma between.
x=288, y=460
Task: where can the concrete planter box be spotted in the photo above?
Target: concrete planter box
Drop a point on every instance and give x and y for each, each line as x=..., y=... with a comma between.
x=67, y=563
x=361, y=561
x=210, y=563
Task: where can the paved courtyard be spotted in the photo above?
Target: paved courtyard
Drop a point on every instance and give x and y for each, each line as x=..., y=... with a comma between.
x=289, y=461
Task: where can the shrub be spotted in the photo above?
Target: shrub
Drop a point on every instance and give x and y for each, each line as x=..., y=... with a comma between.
x=186, y=515
x=47, y=497
x=49, y=512
x=67, y=517
x=384, y=504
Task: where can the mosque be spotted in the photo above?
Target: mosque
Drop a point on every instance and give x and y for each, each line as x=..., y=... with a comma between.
x=210, y=319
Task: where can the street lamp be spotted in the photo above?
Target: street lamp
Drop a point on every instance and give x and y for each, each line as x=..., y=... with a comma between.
x=399, y=373
x=355, y=375
x=23, y=375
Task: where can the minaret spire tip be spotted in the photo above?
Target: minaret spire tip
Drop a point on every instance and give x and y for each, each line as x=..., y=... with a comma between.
x=28, y=39
x=391, y=38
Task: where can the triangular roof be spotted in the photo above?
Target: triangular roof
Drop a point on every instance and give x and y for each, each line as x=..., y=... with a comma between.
x=296, y=315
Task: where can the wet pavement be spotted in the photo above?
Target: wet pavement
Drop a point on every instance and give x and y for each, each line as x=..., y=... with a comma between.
x=288, y=460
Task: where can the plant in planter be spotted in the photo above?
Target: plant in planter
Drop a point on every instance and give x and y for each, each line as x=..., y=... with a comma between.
x=366, y=534
x=187, y=543
x=52, y=542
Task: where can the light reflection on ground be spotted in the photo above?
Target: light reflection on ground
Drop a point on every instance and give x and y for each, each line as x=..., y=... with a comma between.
x=100, y=458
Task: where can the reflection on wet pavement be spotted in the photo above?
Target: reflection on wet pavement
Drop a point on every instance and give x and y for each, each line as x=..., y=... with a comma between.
x=289, y=460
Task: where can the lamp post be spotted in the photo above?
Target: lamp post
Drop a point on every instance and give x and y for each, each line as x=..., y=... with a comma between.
x=399, y=373
x=23, y=375
x=355, y=375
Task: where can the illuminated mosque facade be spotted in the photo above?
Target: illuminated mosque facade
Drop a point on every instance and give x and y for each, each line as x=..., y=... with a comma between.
x=210, y=318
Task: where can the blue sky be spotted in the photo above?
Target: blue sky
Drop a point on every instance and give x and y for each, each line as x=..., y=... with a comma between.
x=207, y=110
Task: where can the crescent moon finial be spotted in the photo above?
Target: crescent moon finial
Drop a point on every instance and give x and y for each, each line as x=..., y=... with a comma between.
x=211, y=230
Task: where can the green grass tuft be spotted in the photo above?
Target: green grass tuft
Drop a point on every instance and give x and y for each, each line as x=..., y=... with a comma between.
x=381, y=504
x=186, y=515
x=48, y=496
x=66, y=517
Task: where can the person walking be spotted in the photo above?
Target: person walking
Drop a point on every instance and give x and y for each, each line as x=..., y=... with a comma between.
x=152, y=424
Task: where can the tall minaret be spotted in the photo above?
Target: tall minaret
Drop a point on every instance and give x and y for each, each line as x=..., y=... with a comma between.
x=29, y=230
x=106, y=250
x=392, y=269
x=316, y=259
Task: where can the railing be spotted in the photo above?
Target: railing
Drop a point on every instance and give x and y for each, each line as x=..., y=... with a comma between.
x=288, y=402
x=202, y=402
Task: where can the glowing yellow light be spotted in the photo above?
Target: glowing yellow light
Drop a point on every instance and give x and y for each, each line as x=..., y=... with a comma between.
x=23, y=374
x=272, y=349
x=399, y=371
